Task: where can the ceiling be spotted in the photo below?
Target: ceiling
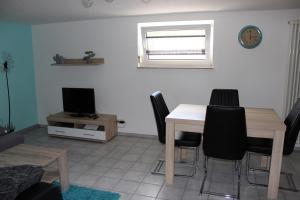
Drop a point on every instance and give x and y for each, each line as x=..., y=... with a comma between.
x=48, y=11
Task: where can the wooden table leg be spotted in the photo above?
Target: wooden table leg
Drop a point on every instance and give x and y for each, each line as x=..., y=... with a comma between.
x=170, y=137
x=276, y=160
x=63, y=171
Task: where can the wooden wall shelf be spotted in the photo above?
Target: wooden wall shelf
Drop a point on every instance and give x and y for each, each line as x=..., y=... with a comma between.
x=78, y=62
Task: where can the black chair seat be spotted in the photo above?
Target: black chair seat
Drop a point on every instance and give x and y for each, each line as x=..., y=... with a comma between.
x=188, y=139
x=260, y=145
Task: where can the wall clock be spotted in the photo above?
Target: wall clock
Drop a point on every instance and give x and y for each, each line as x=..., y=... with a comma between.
x=250, y=37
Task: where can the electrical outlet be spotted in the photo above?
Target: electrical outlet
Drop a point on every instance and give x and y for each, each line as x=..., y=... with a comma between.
x=121, y=123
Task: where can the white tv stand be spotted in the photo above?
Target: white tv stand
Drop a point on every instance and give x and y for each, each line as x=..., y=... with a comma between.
x=64, y=125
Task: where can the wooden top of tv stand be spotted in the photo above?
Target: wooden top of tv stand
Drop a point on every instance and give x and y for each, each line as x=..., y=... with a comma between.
x=67, y=118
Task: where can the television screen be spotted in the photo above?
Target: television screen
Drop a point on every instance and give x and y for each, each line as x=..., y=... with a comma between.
x=79, y=100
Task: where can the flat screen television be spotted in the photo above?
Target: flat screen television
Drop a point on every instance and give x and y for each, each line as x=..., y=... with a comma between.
x=79, y=101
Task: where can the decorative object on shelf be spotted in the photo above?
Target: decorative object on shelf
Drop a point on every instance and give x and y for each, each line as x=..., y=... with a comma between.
x=87, y=3
x=250, y=37
x=6, y=65
x=58, y=59
x=89, y=55
x=88, y=59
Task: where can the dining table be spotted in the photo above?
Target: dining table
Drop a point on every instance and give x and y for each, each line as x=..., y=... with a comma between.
x=261, y=123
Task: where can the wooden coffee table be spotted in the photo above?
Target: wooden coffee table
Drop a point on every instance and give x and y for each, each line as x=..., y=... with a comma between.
x=24, y=154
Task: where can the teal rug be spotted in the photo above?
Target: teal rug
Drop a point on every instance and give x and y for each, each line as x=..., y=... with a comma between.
x=82, y=193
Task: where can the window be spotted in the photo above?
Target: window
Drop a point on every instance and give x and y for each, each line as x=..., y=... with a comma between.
x=185, y=44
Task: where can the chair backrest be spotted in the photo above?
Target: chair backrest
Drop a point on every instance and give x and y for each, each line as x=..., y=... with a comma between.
x=224, y=97
x=160, y=112
x=225, y=133
x=292, y=123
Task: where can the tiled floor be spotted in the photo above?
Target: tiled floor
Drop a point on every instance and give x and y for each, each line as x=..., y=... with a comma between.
x=124, y=165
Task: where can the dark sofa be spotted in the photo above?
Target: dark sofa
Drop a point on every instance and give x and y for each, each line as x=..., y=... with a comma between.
x=39, y=191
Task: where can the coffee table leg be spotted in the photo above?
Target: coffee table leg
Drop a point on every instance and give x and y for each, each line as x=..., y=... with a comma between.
x=63, y=171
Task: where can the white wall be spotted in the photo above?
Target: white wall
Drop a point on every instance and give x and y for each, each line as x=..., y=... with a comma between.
x=260, y=74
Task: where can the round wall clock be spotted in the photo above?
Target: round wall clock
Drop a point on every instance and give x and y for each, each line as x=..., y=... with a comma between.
x=250, y=37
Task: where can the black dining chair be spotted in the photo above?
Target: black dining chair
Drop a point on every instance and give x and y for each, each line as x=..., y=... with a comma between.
x=263, y=147
x=184, y=140
x=224, y=97
x=224, y=137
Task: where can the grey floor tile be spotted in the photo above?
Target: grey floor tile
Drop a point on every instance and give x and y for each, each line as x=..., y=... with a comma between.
x=143, y=144
x=131, y=157
x=214, y=197
x=148, y=190
x=80, y=167
x=77, y=157
x=134, y=176
x=126, y=186
x=124, y=196
x=194, y=195
x=73, y=176
x=148, y=159
x=106, y=183
x=99, y=170
x=84, y=151
x=122, y=164
x=194, y=184
x=222, y=188
x=100, y=153
x=154, y=179
x=218, y=176
x=137, y=150
x=115, y=173
x=179, y=182
x=106, y=166
x=107, y=162
x=91, y=160
x=249, y=192
x=86, y=180
x=171, y=193
x=143, y=167
x=154, y=153
x=140, y=197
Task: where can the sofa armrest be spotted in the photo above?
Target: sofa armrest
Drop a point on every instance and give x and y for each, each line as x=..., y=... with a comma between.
x=10, y=140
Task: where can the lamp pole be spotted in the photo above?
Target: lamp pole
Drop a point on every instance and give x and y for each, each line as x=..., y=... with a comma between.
x=5, y=65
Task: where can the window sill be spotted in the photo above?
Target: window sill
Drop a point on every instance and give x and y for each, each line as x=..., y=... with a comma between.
x=169, y=66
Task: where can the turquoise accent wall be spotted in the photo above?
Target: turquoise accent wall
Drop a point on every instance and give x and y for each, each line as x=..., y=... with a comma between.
x=16, y=39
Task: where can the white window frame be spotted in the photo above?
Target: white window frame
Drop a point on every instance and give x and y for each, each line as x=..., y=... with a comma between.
x=143, y=28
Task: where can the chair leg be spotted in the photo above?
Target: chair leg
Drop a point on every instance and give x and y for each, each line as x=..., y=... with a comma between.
x=238, y=167
x=158, y=167
x=239, y=163
x=160, y=163
x=289, y=176
x=205, y=174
